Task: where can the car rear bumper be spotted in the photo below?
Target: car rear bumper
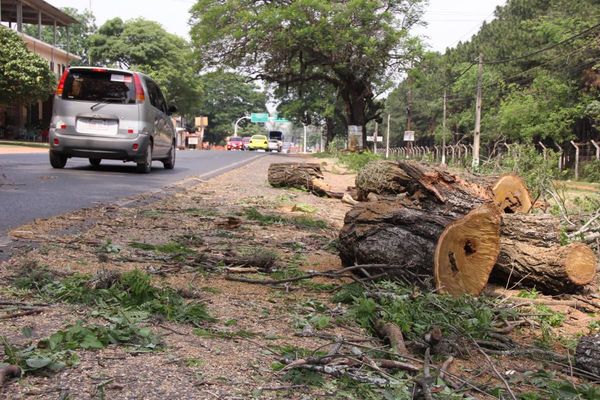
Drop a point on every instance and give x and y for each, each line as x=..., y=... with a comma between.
x=111, y=148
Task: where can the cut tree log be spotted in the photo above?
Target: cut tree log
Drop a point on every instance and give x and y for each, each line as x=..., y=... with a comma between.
x=388, y=232
x=389, y=178
x=306, y=176
x=587, y=354
x=531, y=256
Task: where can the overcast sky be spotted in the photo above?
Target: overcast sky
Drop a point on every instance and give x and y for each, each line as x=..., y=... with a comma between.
x=448, y=21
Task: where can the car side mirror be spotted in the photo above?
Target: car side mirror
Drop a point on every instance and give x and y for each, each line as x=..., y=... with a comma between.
x=172, y=109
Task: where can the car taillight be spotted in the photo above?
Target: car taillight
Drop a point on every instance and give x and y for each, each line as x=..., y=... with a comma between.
x=99, y=69
x=140, y=96
x=61, y=84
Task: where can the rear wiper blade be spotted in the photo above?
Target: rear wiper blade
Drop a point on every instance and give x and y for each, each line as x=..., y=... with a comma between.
x=105, y=99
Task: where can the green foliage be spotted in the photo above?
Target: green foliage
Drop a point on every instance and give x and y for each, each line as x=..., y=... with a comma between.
x=353, y=46
x=24, y=76
x=78, y=33
x=302, y=221
x=591, y=171
x=549, y=387
x=355, y=161
x=228, y=97
x=58, y=351
x=417, y=314
x=145, y=46
x=131, y=290
x=166, y=248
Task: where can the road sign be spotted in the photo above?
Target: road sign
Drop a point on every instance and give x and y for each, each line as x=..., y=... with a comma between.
x=409, y=136
x=259, y=117
x=379, y=138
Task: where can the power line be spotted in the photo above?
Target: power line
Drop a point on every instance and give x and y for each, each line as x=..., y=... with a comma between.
x=533, y=53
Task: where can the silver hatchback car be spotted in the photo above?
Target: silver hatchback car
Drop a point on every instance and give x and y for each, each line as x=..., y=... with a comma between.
x=103, y=113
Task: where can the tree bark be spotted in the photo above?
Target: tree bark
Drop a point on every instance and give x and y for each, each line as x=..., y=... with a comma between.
x=531, y=256
x=301, y=176
x=587, y=354
x=457, y=250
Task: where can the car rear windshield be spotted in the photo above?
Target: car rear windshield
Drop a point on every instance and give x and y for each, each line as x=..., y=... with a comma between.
x=259, y=137
x=235, y=139
x=105, y=86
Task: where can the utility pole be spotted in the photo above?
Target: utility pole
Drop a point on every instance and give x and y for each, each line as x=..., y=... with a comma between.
x=444, y=132
x=409, y=110
x=477, y=135
x=387, y=139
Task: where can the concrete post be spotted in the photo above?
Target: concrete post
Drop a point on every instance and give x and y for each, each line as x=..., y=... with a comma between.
x=576, y=159
x=19, y=16
x=544, y=150
x=597, y=150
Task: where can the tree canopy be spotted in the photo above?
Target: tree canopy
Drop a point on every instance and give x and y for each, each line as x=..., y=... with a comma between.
x=228, y=97
x=24, y=76
x=355, y=46
x=145, y=46
x=541, y=78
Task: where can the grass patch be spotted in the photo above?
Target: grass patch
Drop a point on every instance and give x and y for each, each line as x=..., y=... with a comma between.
x=201, y=212
x=356, y=161
x=132, y=290
x=301, y=221
x=23, y=144
x=166, y=248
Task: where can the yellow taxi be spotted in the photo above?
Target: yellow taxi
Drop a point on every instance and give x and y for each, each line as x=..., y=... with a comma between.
x=259, y=142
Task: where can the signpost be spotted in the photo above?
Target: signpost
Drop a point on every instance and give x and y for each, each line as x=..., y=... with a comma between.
x=355, y=137
x=409, y=136
x=259, y=117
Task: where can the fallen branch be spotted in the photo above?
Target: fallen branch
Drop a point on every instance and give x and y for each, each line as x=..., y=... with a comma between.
x=498, y=374
x=393, y=334
x=585, y=226
x=21, y=313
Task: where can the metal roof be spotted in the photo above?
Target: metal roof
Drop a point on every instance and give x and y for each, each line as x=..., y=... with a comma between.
x=30, y=13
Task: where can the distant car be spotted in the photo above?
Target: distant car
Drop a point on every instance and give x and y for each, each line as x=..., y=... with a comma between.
x=258, y=142
x=274, y=145
x=235, y=143
x=104, y=113
x=246, y=142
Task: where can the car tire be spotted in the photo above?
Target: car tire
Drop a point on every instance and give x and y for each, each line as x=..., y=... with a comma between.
x=169, y=162
x=95, y=162
x=145, y=166
x=57, y=160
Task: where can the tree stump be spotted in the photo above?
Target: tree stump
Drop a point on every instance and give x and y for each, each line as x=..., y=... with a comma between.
x=531, y=256
x=307, y=176
x=587, y=354
x=388, y=232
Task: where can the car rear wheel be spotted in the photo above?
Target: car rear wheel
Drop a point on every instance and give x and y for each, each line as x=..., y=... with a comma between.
x=95, y=162
x=145, y=166
x=169, y=162
x=57, y=160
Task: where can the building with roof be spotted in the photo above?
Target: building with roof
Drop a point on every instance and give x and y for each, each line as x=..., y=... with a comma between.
x=17, y=120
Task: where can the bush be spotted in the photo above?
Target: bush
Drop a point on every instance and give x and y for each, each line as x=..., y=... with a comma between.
x=591, y=171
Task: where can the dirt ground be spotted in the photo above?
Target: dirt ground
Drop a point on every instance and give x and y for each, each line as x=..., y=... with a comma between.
x=212, y=217
x=221, y=368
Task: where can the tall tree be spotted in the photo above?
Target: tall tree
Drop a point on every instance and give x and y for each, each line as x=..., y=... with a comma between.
x=24, y=76
x=228, y=97
x=353, y=45
x=145, y=46
x=78, y=33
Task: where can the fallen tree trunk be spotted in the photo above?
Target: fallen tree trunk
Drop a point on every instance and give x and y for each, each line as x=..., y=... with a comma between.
x=435, y=241
x=306, y=176
x=388, y=178
x=587, y=354
x=531, y=256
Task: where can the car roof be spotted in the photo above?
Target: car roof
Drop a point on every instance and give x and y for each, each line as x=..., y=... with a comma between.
x=104, y=69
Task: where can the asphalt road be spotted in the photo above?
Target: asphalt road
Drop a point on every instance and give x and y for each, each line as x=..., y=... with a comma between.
x=30, y=188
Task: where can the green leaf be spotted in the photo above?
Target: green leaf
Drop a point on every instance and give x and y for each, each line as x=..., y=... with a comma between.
x=90, y=341
x=38, y=362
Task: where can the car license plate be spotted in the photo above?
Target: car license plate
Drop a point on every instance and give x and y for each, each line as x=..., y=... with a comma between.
x=97, y=126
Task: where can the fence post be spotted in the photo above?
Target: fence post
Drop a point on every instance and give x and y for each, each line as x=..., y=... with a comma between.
x=507, y=148
x=576, y=159
x=452, y=147
x=437, y=151
x=466, y=150
x=560, y=157
x=597, y=149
